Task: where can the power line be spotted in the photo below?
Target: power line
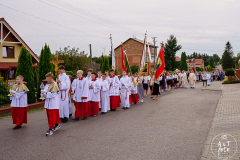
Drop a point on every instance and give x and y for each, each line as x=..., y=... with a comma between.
x=85, y=14
x=46, y=20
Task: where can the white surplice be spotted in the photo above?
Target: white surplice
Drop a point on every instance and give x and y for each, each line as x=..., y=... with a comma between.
x=94, y=94
x=125, y=90
x=81, y=89
x=114, y=89
x=104, y=95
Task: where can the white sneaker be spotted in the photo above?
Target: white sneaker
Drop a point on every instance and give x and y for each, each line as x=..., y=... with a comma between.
x=56, y=128
x=141, y=100
x=49, y=132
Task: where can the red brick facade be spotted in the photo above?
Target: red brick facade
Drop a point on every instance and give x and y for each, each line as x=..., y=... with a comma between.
x=134, y=50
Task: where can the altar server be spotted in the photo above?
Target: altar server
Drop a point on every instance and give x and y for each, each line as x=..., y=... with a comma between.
x=208, y=78
x=70, y=98
x=52, y=104
x=94, y=92
x=109, y=81
x=63, y=82
x=114, y=91
x=81, y=89
x=19, y=102
x=89, y=75
x=104, y=94
x=125, y=87
x=134, y=92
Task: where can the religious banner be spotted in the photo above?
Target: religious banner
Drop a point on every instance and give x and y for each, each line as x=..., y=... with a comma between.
x=113, y=54
x=142, y=64
x=160, y=63
x=124, y=66
x=126, y=61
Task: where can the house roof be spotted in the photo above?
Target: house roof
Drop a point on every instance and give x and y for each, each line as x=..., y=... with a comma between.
x=178, y=59
x=137, y=40
x=197, y=61
x=20, y=39
x=12, y=65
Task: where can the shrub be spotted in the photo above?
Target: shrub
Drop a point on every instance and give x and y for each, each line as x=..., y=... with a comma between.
x=229, y=72
x=69, y=72
x=4, y=91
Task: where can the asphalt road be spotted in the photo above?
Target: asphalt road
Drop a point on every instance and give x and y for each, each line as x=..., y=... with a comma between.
x=174, y=127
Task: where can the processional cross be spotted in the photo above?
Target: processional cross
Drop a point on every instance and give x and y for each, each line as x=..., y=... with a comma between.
x=55, y=63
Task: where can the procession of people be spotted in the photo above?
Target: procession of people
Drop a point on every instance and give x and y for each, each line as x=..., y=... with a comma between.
x=97, y=92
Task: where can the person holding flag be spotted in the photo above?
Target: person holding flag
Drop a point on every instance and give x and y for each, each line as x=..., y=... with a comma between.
x=159, y=70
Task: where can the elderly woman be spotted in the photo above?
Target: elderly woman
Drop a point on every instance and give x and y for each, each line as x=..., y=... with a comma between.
x=140, y=86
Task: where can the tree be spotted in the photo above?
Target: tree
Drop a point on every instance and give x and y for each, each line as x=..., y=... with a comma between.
x=104, y=65
x=216, y=58
x=25, y=68
x=74, y=59
x=170, y=50
x=134, y=69
x=183, y=63
x=227, y=57
x=44, y=66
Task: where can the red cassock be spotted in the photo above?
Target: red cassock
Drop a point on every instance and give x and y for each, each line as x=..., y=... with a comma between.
x=19, y=115
x=53, y=117
x=114, y=102
x=82, y=109
x=135, y=98
x=94, y=107
x=89, y=109
x=130, y=99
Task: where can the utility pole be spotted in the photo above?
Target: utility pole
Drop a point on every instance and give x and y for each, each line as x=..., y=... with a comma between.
x=154, y=42
x=90, y=47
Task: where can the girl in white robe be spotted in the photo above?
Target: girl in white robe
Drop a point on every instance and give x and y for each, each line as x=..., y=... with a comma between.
x=104, y=94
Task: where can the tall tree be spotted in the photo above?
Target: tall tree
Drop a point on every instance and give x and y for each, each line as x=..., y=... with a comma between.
x=216, y=58
x=170, y=49
x=183, y=63
x=74, y=59
x=44, y=66
x=227, y=57
x=104, y=65
x=25, y=68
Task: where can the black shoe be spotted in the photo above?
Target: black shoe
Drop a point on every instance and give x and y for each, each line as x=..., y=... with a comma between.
x=65, y=120
x=113, y=110
x=61, y=119
x=103, y=112
x=84, y=118
x=123, y=107
x=17, y=127
x=70, y=115
x=127, y=108
x=75, y=119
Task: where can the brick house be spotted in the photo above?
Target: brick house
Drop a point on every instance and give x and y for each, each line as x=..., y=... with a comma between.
x=134, y=50
x=195, y=63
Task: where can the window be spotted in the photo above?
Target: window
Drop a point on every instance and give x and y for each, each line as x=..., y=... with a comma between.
x=152, y=50
x=8, y=52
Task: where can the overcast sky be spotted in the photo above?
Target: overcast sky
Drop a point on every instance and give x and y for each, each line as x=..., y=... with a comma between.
x=203, y=26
